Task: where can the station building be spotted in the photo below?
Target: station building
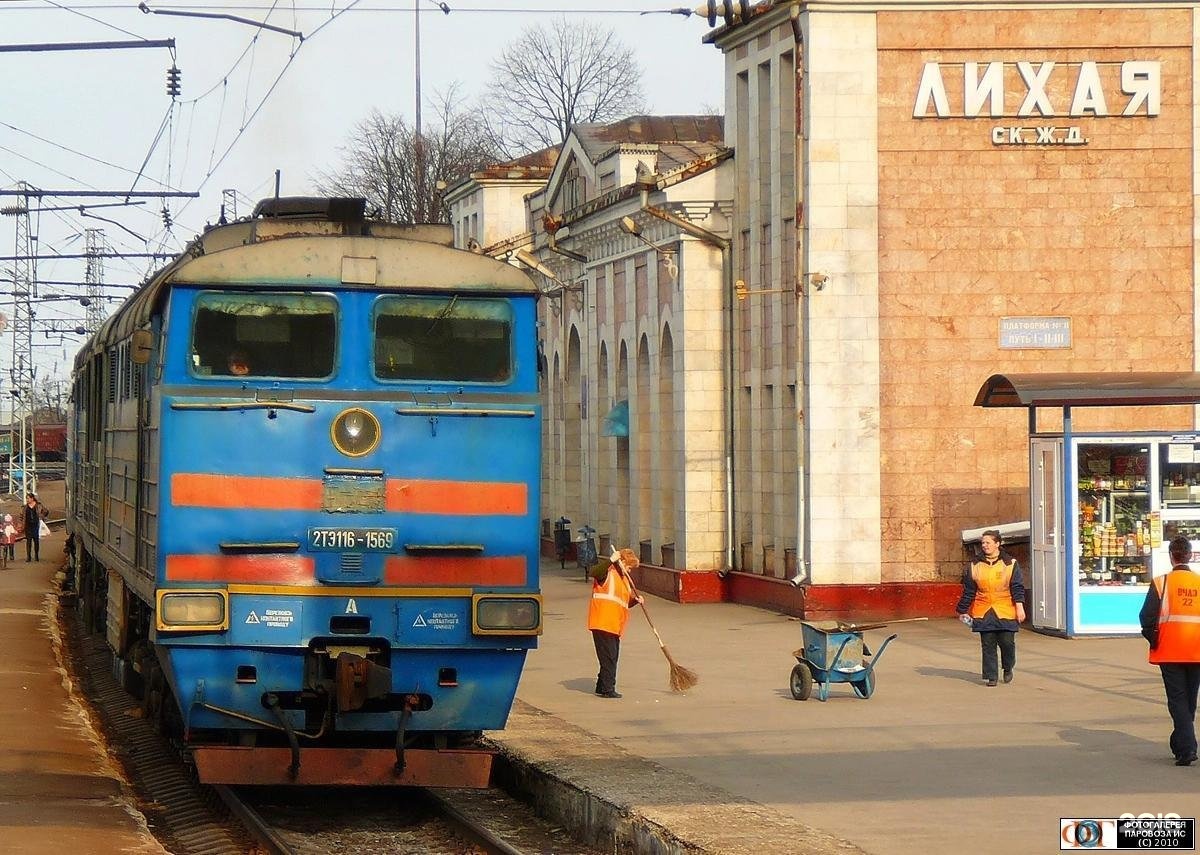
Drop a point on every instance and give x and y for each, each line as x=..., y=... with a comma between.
x=921, y=195
x=977, y=189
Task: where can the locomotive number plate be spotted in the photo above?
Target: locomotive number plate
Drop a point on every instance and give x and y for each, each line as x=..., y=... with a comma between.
x=336, y=539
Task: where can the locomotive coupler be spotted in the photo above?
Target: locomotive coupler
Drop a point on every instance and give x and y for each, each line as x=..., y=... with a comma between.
x=293, y=742
x=357, y=679
x=409, y=702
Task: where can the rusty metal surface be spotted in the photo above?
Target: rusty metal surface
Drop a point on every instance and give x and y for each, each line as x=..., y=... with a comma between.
x=353, y=494
x=375, y=767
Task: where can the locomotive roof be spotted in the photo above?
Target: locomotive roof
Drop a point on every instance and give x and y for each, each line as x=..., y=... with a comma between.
x=301, y=245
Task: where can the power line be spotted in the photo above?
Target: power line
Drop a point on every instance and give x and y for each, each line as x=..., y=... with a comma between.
x=66, y=148
x=68, y=194
x=85, y=255
x=488, y=10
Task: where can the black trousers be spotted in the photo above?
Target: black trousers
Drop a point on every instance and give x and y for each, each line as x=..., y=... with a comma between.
x=1008, y=651
x=1182, y=682
x=32, y=545
x=608, y=650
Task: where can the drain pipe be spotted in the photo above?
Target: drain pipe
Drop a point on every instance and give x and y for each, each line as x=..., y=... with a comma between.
x=803, y=545
x=726, y=247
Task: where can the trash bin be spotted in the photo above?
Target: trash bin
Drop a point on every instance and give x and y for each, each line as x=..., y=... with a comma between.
x=585, y=549
x=562, y=539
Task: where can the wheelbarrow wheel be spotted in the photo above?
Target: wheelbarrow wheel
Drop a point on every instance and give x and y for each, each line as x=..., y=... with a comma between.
x=801, y=682
x=865, y=687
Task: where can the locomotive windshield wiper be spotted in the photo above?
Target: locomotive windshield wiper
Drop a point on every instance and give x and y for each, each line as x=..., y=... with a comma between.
x=243, y=405
x=445, y=312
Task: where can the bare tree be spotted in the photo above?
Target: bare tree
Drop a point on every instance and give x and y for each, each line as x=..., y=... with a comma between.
x=547, y=81
x=398, y=174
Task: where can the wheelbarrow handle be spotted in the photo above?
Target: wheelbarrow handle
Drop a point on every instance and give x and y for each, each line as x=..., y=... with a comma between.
x=879, y=652
x=859, y=627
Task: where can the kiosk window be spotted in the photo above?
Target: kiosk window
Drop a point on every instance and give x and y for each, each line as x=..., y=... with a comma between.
x=1116, y=527
x=1179, y=463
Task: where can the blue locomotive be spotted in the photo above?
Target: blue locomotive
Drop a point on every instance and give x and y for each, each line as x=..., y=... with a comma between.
x=302, y=474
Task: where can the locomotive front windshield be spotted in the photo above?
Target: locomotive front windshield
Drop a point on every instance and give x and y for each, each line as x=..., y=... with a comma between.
x=455, y=339
x=239, y=334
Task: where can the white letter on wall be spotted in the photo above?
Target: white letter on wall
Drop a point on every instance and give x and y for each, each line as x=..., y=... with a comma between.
x=1036, y=81
x=1089, y=93
x=931, y=89
x=989, y=88
x=1141, y=80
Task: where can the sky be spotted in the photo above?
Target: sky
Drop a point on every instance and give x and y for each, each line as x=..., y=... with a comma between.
x=253, y=101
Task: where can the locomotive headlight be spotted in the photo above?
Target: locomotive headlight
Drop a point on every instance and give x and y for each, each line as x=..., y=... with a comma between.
x=192, y=610
x=506, y=614
x=355, y=432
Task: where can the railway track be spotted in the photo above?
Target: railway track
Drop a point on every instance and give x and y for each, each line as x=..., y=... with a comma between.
x=419, y=821
x=192, y=819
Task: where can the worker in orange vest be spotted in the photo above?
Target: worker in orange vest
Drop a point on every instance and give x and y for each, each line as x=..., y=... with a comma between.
x=993, y=602
x=1170, y=619
x=612, y=595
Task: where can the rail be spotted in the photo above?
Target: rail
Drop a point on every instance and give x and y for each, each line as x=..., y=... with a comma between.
x=253, y=823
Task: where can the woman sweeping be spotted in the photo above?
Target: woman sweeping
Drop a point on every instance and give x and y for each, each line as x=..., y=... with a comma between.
x=612, y=595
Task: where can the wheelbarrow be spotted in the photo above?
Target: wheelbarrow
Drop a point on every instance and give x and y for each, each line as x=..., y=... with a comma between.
x=834, y=653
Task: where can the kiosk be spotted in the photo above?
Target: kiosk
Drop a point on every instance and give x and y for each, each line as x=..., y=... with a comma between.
x=1102, y=506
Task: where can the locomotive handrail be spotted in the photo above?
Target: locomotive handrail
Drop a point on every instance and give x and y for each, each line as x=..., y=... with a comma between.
x=240, y=405
x=443, y=547
x=279, y=546
x=437, y=411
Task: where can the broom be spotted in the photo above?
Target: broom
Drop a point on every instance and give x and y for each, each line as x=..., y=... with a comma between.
x=682, y=678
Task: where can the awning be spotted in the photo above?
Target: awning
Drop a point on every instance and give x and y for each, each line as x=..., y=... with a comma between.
x=616, y=423
x=1092, y=389
x=1008, y=532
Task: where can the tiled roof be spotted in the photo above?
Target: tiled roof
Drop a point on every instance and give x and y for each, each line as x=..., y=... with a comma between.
x=702, y=134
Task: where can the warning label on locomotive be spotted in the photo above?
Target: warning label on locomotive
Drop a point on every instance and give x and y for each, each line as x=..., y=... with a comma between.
x=437, y=620
x=267, y=620
x=281, y=618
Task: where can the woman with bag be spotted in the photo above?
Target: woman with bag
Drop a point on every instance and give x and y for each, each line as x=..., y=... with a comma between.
x=34, y=521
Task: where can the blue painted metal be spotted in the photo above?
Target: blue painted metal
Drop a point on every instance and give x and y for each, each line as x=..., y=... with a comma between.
x=836, y=656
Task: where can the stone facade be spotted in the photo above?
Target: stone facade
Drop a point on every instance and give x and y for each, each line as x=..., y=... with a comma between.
x=639, y=321
x=925, y=221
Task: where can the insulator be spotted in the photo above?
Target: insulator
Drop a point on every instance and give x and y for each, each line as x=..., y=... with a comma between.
x=174, y=77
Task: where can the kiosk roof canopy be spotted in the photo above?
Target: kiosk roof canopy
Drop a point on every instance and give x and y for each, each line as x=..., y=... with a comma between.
x=1093, y=389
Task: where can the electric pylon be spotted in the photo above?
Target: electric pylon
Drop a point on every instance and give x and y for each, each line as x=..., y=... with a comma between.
x=23, y=373
x=94, y=278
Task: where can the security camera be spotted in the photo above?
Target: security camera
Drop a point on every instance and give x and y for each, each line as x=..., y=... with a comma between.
x=818, y=280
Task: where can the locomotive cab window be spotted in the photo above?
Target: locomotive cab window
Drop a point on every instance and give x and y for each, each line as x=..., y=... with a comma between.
x=263, y=335
x=453, y=339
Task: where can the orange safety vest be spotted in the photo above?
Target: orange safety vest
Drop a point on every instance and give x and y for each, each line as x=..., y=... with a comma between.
x=992, y=589
x=609, y=609
x=1178, y=617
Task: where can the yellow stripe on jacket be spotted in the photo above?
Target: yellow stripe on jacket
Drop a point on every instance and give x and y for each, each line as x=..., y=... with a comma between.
x=609, y=608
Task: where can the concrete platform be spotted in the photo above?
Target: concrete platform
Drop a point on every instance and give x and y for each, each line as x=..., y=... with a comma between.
x=58, y=790
x=933, y=762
